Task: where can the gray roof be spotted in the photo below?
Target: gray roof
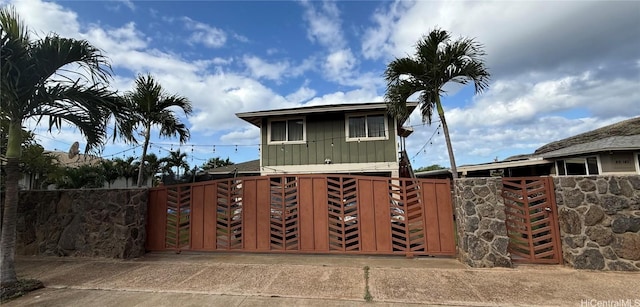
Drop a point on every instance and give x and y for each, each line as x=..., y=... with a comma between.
x=256, y=117
x=629, y=142
x=252, y=166
x=630, y=127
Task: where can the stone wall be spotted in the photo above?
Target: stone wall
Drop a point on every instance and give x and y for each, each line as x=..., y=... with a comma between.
x=599, y=219
x=480, y=219
x=93, y=223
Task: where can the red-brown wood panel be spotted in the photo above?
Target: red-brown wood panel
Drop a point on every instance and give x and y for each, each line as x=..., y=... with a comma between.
x=366, y=215
x=263, y=216
x=157, y=219
x=445, y=218
x=382, y=215
x=432, y=231
x=305, y=207
x=197, y=217
x=210, y=214
x=321, y=215
x=249, y=221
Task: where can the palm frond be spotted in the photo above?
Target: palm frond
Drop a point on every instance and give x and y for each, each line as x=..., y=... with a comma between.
x=60, y=52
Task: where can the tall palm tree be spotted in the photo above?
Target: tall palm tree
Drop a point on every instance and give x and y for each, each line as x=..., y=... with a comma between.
x=153, y=107
x=437, y=61
x=33, y=86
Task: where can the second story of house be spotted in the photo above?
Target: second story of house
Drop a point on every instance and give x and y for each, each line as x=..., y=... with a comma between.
x=345, y=138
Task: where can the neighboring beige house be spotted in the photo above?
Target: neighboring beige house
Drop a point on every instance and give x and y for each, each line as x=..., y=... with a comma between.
x=347, y=138
x=610, y=150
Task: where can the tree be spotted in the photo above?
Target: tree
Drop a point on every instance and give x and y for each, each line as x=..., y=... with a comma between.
x=40, y=79
x=437, y=61
x=127, y=168
x=81, y=177
x=38, y=165
x=178, y=160
x=110, y=171
x=151, y=166
x=216, y=162
x=153, y=107
x=432, y=167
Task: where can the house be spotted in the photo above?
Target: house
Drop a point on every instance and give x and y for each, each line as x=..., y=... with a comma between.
x=610, y=150
x=244, y=169
x=347, y=138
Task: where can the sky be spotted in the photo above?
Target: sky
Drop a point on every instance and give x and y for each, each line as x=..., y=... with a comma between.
x=558, y=68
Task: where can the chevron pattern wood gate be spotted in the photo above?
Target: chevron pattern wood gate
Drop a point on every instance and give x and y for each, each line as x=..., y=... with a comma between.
x=532, y=220
x=304, y=214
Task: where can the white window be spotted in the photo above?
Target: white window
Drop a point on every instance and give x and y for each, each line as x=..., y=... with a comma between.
x=287, y=131
x=577, y=166
x=366, y=127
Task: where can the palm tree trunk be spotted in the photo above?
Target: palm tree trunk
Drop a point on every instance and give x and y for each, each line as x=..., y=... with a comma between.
x=10, y=213
x=147, y=136
x=445, y=130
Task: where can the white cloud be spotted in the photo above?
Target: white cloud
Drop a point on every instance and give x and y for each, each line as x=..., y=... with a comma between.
x=205, y=34
x=324, y=24
x=340, y=63
x=303, y=94
x=247, y=136
x=517, y=102
x=259, y=68
x=354, y=96
x=47, y=17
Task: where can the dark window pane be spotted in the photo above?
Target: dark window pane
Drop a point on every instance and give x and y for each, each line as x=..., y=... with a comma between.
x=576, y=166
x=560, y=166
x=375, y=126
x=357, y=127
x=278, y=131
x=295, y=130
x=592, y=164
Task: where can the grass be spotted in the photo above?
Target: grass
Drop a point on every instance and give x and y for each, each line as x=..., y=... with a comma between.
x=20, y=288
x=367, y=295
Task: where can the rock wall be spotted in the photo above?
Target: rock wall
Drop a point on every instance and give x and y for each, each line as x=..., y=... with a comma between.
x=599, y=219
x=93, y=223
x=480, y=219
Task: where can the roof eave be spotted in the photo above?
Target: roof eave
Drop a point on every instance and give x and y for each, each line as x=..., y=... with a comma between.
x=256, y=117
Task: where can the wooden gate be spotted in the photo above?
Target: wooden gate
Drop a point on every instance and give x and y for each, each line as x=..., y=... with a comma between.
x=532, y=220
x=304, y=214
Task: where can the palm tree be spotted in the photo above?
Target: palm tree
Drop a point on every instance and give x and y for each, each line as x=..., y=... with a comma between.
x=32, y=86
x=178, y=160
x=110, y=171
x=151, y=166
x=216, y=162
x=153, y=107
x=437, y=61
x=127, y=168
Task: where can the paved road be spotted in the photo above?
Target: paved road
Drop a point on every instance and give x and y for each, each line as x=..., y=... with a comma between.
x=215, y=279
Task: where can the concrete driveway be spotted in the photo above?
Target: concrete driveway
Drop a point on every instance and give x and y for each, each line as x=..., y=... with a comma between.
x=226, y=279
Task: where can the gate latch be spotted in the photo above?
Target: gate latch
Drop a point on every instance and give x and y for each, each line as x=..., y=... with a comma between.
x=547, y=209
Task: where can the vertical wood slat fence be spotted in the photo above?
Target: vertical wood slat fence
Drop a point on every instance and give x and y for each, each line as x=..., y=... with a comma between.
x=532, y=220
x=304, y=214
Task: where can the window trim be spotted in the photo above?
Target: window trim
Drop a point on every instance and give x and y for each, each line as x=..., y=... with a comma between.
x=637, y=161
x=586, y=165
x=366, y=138
x=286, y=120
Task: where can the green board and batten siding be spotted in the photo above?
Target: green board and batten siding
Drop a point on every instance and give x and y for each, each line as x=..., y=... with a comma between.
x=322, y=131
